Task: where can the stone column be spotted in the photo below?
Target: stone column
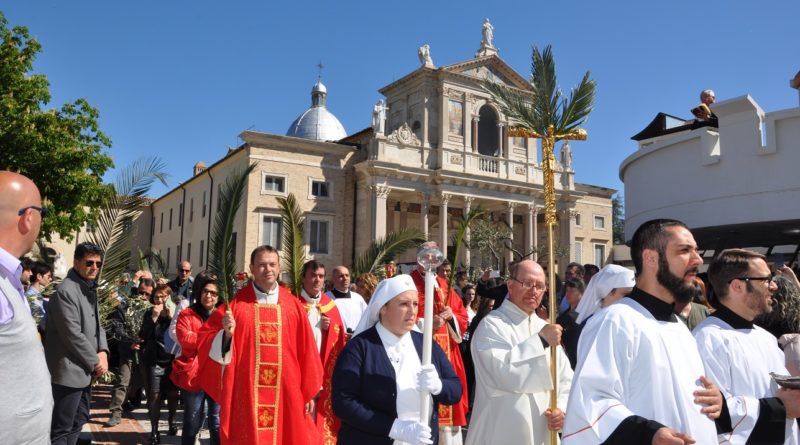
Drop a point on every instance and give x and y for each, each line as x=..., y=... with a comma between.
x=510, y=221
x=467, y=254
x=423, y=213
x=566, y=223
x=379, y=195
x=500, y=127
x=504, y=136
x=475, y=120
x=403, y=215
x=530, y=230
x=443, y=223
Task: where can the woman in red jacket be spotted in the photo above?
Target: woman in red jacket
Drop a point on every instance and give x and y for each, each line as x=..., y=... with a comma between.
x=190, y=320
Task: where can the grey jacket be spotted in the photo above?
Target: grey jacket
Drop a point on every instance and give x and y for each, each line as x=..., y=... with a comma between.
x=74, y=336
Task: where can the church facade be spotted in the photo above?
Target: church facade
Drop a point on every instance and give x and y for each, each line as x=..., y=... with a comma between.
x=438, y=147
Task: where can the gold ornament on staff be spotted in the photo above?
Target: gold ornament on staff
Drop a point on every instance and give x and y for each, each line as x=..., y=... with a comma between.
x=548, y=166
x=542, y=111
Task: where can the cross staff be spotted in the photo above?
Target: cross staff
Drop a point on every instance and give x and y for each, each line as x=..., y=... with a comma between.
x=548, y=169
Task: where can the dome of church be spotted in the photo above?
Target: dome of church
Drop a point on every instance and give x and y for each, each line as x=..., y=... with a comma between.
x=317, y=122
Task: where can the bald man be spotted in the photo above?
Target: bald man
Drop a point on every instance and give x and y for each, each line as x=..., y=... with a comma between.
x=511, y=351
x=26, y=402
x=351, y=305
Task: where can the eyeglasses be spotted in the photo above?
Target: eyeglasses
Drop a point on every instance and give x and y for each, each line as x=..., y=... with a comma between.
x=529, y=286
x=42, y=210
x=185, y=270
x=213, y=293
x=90, y=263
x=769, y=279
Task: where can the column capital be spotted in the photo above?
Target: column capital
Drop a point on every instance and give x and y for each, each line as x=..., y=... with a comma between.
x=568, y=213
x=468, y=201
x=533, y=209
x=511, y=206
x=445, y=198
x=381, y=191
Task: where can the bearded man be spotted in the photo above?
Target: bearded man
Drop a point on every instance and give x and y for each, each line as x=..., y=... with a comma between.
x=639, y=377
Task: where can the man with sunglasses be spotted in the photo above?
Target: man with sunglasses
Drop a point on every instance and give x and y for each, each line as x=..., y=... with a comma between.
x=75, y=347
x=739, y=355
x=26, y=400
x=182, y=284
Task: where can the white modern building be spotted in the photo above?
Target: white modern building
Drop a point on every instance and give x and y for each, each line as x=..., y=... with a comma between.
x=734, y=186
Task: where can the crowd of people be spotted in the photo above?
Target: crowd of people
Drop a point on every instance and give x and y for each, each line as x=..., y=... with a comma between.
x=662, y=355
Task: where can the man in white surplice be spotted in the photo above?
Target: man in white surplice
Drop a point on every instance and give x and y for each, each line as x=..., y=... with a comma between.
x=739, y=355
x=639, y=378
x=511, y=353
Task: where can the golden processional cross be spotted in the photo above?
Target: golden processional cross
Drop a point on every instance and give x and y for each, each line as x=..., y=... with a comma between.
x=548, y=169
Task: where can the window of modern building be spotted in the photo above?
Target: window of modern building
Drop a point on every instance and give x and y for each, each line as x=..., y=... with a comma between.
x=167, y=263
x=191, y=209
x=170, y=219
x=202, y=252
x=180, y=214
x=161, y=223
x=178, y=252
x=318, y=236
x=203, y=213
x=189, y=252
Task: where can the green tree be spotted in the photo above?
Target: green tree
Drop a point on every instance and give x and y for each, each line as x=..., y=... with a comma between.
x=61, y=150
x=618, y=219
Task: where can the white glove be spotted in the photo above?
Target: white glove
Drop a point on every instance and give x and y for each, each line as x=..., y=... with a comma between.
x=411, y=431
x=428, y=380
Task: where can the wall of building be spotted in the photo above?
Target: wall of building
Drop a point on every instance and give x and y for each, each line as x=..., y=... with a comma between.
x=744, y=172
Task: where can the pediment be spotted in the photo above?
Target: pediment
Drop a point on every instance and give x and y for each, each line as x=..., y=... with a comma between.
x=490, y=68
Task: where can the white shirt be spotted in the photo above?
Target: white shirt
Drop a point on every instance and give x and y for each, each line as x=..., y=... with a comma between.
x=512, y=379
x=350, y=309
x=739, y=362
x=630, y=363
x=314, y=315
x=406, y=363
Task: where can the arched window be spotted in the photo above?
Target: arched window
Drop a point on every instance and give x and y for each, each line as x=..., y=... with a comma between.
x=487, y=132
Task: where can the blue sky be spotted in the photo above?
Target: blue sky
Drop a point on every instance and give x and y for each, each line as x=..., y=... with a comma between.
x=181, y=79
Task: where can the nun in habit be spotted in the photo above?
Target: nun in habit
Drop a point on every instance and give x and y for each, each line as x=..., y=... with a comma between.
x=379, y=376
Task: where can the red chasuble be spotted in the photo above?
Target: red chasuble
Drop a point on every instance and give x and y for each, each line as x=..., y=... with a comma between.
x=455, y=415
x=274, y=371
x=331, y=345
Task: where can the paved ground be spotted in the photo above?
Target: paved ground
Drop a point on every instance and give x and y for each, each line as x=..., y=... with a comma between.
x=134, y=428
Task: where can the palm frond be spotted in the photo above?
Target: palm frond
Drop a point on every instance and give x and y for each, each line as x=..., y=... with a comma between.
x=458, y=239
x=222, y=250
x=578, y=106
x=113, y=228
x=545, y=86
x=381, y=250
x=292, y=239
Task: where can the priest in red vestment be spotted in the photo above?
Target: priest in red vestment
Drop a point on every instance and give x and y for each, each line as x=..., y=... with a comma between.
x=258, y=359
x=329, y=334
x=449, y=325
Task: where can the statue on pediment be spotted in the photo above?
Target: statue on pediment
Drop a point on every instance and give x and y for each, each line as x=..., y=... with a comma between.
x=424, y=54
x=379, y=117
x=488, y=34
